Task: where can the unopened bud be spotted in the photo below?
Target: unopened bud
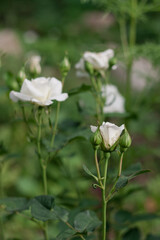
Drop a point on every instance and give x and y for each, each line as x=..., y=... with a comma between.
x=65, y=66
x=112, y=63
x=34, y=65
x=96, y=139
x=21, y=76
x=89, y=68
x=125, y=141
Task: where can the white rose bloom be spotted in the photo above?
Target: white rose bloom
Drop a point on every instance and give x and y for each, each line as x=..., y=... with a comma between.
x=110, y=133
x=99, y=61
x=41, y=91
x=34, y=64
x=115, y=102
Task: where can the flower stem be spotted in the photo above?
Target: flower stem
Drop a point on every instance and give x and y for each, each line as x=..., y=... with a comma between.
x=1, y=195
x=132, y=41
x=104, y=198
x=56, y=118
x=97, y=96
x=120, y=164
x=55, y=124
x=97, y=167
x=26, y=121
x=42, y=163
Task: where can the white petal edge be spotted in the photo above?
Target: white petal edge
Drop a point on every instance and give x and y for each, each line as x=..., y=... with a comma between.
x=93, y=128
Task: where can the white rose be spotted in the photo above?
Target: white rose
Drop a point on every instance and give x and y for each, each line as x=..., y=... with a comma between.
x=99, y=61
x=41, y=91
x=34, y=64
x=115, y=102
x=110, y=133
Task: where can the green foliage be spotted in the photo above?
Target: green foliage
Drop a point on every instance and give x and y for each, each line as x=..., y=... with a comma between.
x=86, y=221
x=132, y=234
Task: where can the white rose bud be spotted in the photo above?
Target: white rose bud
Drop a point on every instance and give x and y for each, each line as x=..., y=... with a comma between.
x=110, y=135
x=34, y=64
x=41, y=91
x=65, y=66
x=99, y=61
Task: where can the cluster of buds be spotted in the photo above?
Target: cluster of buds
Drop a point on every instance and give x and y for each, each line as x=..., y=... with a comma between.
x=108, y=136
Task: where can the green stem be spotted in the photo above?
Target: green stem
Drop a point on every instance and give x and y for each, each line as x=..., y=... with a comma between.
x=46, y=231
x=43, y=165
x=1, y=179
x=132, y=41
x=97, y=96
x=55, y=124
x=123, y=35
x=98, y=170
x=26, y=121
x=42, y=162
x=1, y=195
x=120, y=164
x=104, y=198
x=56, y=118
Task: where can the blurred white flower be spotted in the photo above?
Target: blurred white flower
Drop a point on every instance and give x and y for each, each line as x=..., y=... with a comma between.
x=115, y=102
x=110, y=133
x=99, y=61
x=34, y=64
x=41, y=91
x=30, y=36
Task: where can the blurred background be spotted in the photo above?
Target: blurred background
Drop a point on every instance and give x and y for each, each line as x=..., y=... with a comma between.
x=52, y=29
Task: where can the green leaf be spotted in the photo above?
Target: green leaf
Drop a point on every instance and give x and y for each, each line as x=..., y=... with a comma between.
x=152, y=237
x=86, y=221
x=46, y=200
x=132, y=234
x=144, y=217
x=14, y=203
x=66, y=234
x=61, y=213
x=124, y=218
x=121, y=183
x=132, y=169
x=40, y=212
x=82, y=88
x=89, y=172
x=139, y=173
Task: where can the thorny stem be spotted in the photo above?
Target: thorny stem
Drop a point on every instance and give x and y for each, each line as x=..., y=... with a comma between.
x=104, y=198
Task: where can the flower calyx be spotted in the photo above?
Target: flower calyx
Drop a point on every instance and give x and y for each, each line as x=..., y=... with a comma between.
x=89, y=68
